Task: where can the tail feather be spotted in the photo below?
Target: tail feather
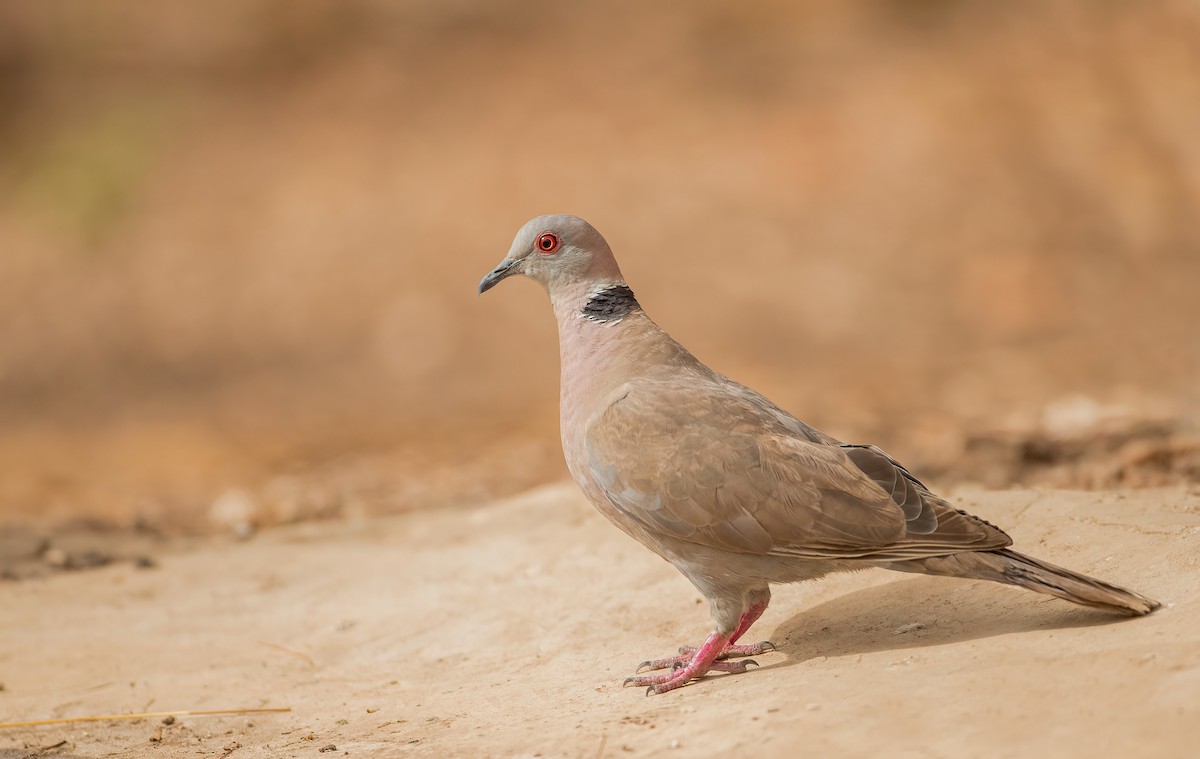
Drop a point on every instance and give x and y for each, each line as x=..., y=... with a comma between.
x=1013, y=568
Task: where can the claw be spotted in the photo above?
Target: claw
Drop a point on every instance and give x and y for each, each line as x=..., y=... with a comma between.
x=724, y=662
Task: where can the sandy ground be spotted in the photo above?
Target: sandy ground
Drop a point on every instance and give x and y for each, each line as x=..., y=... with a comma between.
x=506, y=631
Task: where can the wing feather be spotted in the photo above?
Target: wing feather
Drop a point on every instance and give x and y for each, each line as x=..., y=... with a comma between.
x=728, y=470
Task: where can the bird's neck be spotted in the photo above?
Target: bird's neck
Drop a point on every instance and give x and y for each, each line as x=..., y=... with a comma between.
x=593, y=320
x=608, y=302
x=605, y=341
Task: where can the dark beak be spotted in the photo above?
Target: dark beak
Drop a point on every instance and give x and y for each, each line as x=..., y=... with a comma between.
x=505, y=269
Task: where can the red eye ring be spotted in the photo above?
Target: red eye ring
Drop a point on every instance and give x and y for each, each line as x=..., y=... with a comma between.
x=547, y=243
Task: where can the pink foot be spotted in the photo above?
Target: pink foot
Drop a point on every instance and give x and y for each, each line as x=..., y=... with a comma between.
x=714, y=654
x=687, y=652
x=684, y=668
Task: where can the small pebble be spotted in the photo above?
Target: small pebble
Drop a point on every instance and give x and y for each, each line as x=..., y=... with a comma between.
x=60, y=559
x=145, y=562
x=55, y=557
x=328, y=747
x=244, y=530
x=169, y=719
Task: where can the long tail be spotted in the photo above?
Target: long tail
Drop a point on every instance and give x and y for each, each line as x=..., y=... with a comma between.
x=1013, y=568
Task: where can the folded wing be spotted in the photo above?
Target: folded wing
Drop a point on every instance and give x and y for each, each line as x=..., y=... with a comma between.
x=714, y=468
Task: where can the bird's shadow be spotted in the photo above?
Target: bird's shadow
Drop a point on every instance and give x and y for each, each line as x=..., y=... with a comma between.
x=919, y=612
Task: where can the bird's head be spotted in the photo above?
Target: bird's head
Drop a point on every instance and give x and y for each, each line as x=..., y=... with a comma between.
x=557, y=250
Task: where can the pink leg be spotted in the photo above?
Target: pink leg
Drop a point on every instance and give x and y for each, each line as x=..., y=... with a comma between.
x=701, y=663
x=710, y=656
x=744, y=623
x=688, y=652
x=750, y=617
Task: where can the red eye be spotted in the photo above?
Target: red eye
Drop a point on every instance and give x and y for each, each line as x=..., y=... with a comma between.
x=547, y=243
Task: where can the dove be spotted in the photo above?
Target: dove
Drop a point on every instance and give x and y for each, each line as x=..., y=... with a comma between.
x=729, y=488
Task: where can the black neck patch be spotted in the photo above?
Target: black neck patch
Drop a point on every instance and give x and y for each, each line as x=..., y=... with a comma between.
x=610, y=304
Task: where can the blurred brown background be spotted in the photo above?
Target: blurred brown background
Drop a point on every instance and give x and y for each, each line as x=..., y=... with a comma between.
x=239, y=241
